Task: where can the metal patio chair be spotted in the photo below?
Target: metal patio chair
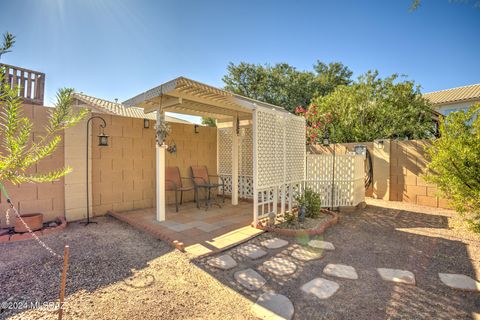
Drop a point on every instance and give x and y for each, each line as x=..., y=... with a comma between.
x=173, y=182
x=201, y=180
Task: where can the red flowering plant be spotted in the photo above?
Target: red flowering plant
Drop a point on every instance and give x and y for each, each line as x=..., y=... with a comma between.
x=315, y=122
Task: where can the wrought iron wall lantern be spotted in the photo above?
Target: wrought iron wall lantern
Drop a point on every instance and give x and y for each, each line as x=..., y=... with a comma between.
x=146, y=123
x=195, y=128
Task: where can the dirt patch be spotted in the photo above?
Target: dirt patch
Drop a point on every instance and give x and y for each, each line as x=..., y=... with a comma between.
x=116, y=272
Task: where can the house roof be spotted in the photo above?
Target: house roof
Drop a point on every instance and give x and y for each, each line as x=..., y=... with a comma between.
x=188, y=96
x=460, y=94
x=114, y=108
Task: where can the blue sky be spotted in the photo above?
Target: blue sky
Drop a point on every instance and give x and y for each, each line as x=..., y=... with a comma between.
x=119, y=48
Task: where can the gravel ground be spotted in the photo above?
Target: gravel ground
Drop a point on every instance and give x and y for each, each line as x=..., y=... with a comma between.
x=423, y=240
x=117, y=272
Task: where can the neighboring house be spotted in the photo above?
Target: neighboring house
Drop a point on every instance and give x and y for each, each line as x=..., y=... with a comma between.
x=450, y=100
x=114, y=108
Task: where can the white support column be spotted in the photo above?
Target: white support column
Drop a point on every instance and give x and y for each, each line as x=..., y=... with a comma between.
x=234, y=162
x=160, y=176
x=255, y=169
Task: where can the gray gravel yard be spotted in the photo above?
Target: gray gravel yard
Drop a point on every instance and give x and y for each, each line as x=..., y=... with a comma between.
x=423, y=240
x=117, y=272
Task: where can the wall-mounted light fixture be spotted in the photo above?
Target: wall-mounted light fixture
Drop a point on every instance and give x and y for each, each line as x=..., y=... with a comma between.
x=195, y=128
x=146, y=123
x=326, y=139
x=380, y=144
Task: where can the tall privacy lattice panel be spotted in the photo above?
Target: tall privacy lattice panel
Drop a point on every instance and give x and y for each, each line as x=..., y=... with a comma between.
x=347, y=184
x=245, y=159
x=278, y=162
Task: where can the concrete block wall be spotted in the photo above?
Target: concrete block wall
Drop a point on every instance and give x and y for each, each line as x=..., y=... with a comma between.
x=123, y=174
x=47, y=198
x=407, y=165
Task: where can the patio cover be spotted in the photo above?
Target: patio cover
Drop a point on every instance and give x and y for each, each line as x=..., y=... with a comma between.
x=278, y=138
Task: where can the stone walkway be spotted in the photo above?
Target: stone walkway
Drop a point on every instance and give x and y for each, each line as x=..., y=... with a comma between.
x=271, y=305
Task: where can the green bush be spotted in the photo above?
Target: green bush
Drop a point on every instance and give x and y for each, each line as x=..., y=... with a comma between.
x=311, y=201
x=455, y=163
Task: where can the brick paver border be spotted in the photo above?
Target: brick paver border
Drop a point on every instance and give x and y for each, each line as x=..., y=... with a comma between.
x=310, y=232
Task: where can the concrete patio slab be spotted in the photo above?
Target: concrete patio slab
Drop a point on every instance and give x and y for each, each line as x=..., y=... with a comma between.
x=280, y=266
x=274, y=243
x=321, y=288
x=224, y=262
x=197, y=231
x=459, y=281
x=340, y=271
x=319, y=244
x=273, y=306
x=396, y=275
x=305, y=254
x=250, y=279
x=251, y=251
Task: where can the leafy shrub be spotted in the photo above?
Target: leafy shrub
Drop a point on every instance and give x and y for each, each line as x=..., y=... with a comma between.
x=290, y=217
x=455, y=163
x=311, y=201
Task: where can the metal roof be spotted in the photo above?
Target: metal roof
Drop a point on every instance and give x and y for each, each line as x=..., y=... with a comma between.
x=460, y=94
x=118, y=109
x=183, y=95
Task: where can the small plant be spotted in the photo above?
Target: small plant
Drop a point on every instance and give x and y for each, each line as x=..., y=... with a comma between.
x=311, y=201
x=290, y=217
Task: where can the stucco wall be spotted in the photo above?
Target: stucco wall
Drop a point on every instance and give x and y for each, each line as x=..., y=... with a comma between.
x=47, y=198
x=123, y=174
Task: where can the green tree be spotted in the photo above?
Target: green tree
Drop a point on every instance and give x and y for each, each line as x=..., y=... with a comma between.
x=284, y=85
x=370, y=108
x=18, y=150
x=455, y=163
x=210, y=122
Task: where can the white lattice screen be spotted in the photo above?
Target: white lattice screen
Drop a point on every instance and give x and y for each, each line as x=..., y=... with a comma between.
x=348, y=181
x=279, y=162
x=245, y=159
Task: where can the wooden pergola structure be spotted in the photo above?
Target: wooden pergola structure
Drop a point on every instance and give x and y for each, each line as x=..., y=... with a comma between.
x=261, y=147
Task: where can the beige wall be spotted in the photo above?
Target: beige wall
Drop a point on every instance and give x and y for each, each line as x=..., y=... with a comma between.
x=407, y=164
x=123, y=174
x=47, y=198
x=398, y=167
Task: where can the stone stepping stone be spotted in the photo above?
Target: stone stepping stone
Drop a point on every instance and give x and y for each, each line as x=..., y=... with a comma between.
x=273, y=306
x=274, y=243
x=459, y=281
x=321, y=288
x=250, y=279
x=305, y=254
x=224, y=262
x=340, y=271
x=319, y=244
x=251, y=251
x=280, y=266
x=396, y=275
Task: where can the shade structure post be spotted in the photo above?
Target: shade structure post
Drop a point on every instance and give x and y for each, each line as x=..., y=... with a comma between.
x=160, y=174
x=255, y=168
x=235, y=161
